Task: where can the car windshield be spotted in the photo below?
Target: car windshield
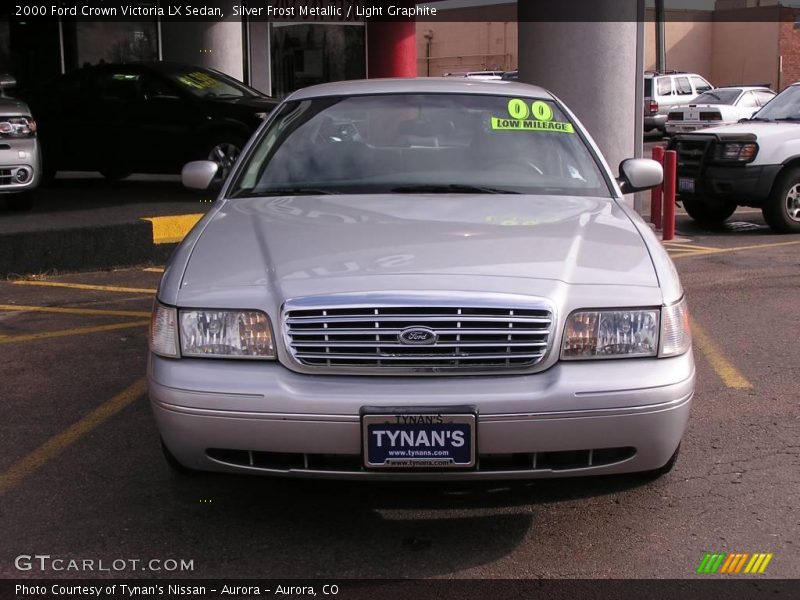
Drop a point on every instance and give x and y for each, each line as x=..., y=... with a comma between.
x=405, y=143
x=718, y=97
x=783, y=107
x=209, y=84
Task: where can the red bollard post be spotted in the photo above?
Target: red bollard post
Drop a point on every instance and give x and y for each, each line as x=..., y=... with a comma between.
x=656, y=192
x=670, y=175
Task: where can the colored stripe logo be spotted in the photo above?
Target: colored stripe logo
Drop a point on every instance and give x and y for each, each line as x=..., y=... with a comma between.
x=725, y=563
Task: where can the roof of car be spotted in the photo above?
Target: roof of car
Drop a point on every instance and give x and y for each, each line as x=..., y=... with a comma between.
x=431, y=85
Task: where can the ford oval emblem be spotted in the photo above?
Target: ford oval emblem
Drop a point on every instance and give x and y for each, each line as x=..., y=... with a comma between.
x=417, y=336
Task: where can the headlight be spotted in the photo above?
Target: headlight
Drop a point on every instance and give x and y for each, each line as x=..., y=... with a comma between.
x=595, y=334
x=226, y=333
x=737, y=151
x=164, y=331
x=17, y=127
x=610, y=334
x=676, y=335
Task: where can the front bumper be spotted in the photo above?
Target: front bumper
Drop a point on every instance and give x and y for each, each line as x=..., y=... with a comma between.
x=749, y=184
x=309, y=425
x=19, y=154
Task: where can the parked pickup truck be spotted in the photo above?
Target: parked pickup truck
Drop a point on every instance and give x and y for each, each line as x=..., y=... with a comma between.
x=755, y=162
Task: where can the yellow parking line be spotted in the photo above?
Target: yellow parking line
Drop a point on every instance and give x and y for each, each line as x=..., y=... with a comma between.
x=58, y=443
x=727, y=372
x=173, y=228
x=681, y=246
x=739, y=248
x=85, y=286
x=73, y=311
x=153, y=270
x=10, y=339
x=682, y=253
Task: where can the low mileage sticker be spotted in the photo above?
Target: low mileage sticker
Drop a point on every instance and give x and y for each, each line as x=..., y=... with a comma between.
x=520, y=114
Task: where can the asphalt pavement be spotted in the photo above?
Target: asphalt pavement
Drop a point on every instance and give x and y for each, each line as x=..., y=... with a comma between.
x=82, y=476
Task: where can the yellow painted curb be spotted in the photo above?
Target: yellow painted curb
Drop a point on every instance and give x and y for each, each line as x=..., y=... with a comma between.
x=172, y=229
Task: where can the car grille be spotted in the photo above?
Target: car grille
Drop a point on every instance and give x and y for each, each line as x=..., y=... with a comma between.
x=459, y=338
x=675, y=116
x=282, y=462
x=692, y=155
x=6, y=177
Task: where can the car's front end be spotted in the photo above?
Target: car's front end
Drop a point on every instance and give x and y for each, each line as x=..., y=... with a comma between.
x=370, y=324
x=720, y=164
x=19, y=149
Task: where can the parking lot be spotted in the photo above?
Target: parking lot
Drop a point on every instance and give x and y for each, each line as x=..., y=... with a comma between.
x=82, y=476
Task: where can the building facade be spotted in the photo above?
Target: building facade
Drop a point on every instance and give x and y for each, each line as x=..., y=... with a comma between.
x=275, y=56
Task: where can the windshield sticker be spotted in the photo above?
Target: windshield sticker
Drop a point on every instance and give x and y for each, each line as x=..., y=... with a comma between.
x=518, y=109
x=198, y=80
x=520, y=120
x=542, y=111
x=499, y=124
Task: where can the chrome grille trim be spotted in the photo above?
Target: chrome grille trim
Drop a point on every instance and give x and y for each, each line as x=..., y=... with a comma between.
x=481, y=333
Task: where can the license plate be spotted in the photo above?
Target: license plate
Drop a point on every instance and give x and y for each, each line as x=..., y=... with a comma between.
x=418, y=440
x=686, y=185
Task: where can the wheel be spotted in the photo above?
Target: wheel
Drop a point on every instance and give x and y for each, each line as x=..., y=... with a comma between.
x=114, y=172
x=782, y=209
x=705, y=213
x=224, y=152
x=18, y=202
x=663, y=470
x=177, y=467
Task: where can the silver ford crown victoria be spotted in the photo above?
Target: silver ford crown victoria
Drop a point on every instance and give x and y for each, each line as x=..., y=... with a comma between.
x=421, y=279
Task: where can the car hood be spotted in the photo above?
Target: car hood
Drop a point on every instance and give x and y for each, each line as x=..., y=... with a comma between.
x=12, y=106
x=314, y=244
x=761, y=130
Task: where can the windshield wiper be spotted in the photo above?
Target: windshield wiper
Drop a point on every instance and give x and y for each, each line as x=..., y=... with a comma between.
x=289, y=191
x=449, y=188
x=758, y=119
x=787, y=119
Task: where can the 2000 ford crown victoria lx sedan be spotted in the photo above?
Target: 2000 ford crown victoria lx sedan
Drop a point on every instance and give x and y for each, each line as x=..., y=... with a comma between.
x=421, y=279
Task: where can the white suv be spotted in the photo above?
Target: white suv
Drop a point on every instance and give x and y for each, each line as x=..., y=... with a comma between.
x=665, y=90
x=753, y=163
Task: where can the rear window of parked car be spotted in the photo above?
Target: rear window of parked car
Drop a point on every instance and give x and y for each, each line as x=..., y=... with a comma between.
x=718, y=97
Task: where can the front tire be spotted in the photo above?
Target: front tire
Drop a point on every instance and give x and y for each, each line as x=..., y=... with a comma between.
x=782, y=209
x=224, y=152
x=708, y=214
x=661, y=471
x=177, y=467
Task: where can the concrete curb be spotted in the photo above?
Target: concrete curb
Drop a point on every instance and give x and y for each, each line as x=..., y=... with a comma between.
x=81, y=249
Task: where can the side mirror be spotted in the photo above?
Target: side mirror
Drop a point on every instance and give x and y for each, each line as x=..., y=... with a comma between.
x=639, y=174
x=7, y=81
x=199, y=174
